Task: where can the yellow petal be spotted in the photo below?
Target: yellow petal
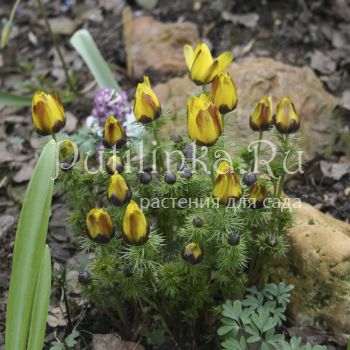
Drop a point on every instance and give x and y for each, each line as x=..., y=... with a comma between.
x=135, y=227
x=118, y=192
x=188, y=52
x=202, y=61
x=99, y=226
x=219, y=65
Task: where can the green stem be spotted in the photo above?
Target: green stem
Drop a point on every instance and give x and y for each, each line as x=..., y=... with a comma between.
x=159, y=155
x=55, y=43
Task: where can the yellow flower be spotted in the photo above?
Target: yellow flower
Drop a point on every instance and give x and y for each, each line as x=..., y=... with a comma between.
x=114, y=133
x=119, y=192
x=99, y=226
x=204, y=122
x=257, y=195
x=146, y=105
x=261, y=118
x=135, y=226
x=227, y=185
x=47, y=113
x=286, y=120
x=114, y=165
x=192, y=253
x=223, y=93
x=201, y=65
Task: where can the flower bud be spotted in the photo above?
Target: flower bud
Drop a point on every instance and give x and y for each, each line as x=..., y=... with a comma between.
x=135, y=226
x=67, y=154
x=114, y=165
x=234, y=239
x=84, y=277
x=249, y=179
x=257, y=195
x=204, y=121
x=128, y=270
x=178, y=139
x=197, y=222
x=261, y=118
x=170, y=177
x=286, y=119
x=227, y=185
x=146, y=106
x=271, y=240
x=223, y=93
x=99, y=226
x=113, y=133
x=186, y=173
x=192, y=253
x=47, y=113
x=119, y=192
x=202, y=67
x=145, y=178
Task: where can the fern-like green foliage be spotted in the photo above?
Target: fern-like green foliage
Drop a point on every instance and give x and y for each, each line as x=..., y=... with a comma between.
x=253, y=322
x=154, y=277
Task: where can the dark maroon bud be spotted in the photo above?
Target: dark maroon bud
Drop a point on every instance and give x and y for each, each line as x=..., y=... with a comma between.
x=182, y=203
x=186, y=173
x=84, y=277
x=145, y=178
x=234, y=239
x=170, y=178
x=188, y=152
x=197, y=222
x=128, y=270
x=168, y=258
x=178, y=139
x=249, y=179
x=271, y=240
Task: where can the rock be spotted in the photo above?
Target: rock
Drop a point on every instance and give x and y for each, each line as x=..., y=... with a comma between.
x=71, y=123
x=322, y=63
x=318, y=266
x=6, y=222
x=112, y=342
x=255, y=79
x=334, y=171
x=62, y=25
x=25, y=172
x=159, y=46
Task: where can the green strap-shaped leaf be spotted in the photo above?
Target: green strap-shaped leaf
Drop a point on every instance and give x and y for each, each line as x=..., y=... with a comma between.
x=41, y=303
x=83, y=42
x=28, y=250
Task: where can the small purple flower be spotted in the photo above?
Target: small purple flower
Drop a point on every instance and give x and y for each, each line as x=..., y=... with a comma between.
x=109, y=101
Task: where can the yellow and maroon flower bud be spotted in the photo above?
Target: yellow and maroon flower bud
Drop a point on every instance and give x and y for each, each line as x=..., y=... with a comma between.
x=119, y=192
x=47, y=113
x=257, y=195
x=201, y=66
x=286, y=119
x=204, y=123
x=192, y=253
x=135, y=227
x=114, y=133
x=99, y=226
x=223, y=93
x=146, y=105
x=227, y=185
x=262, y=117
x=68, y=154
x=114, y=165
